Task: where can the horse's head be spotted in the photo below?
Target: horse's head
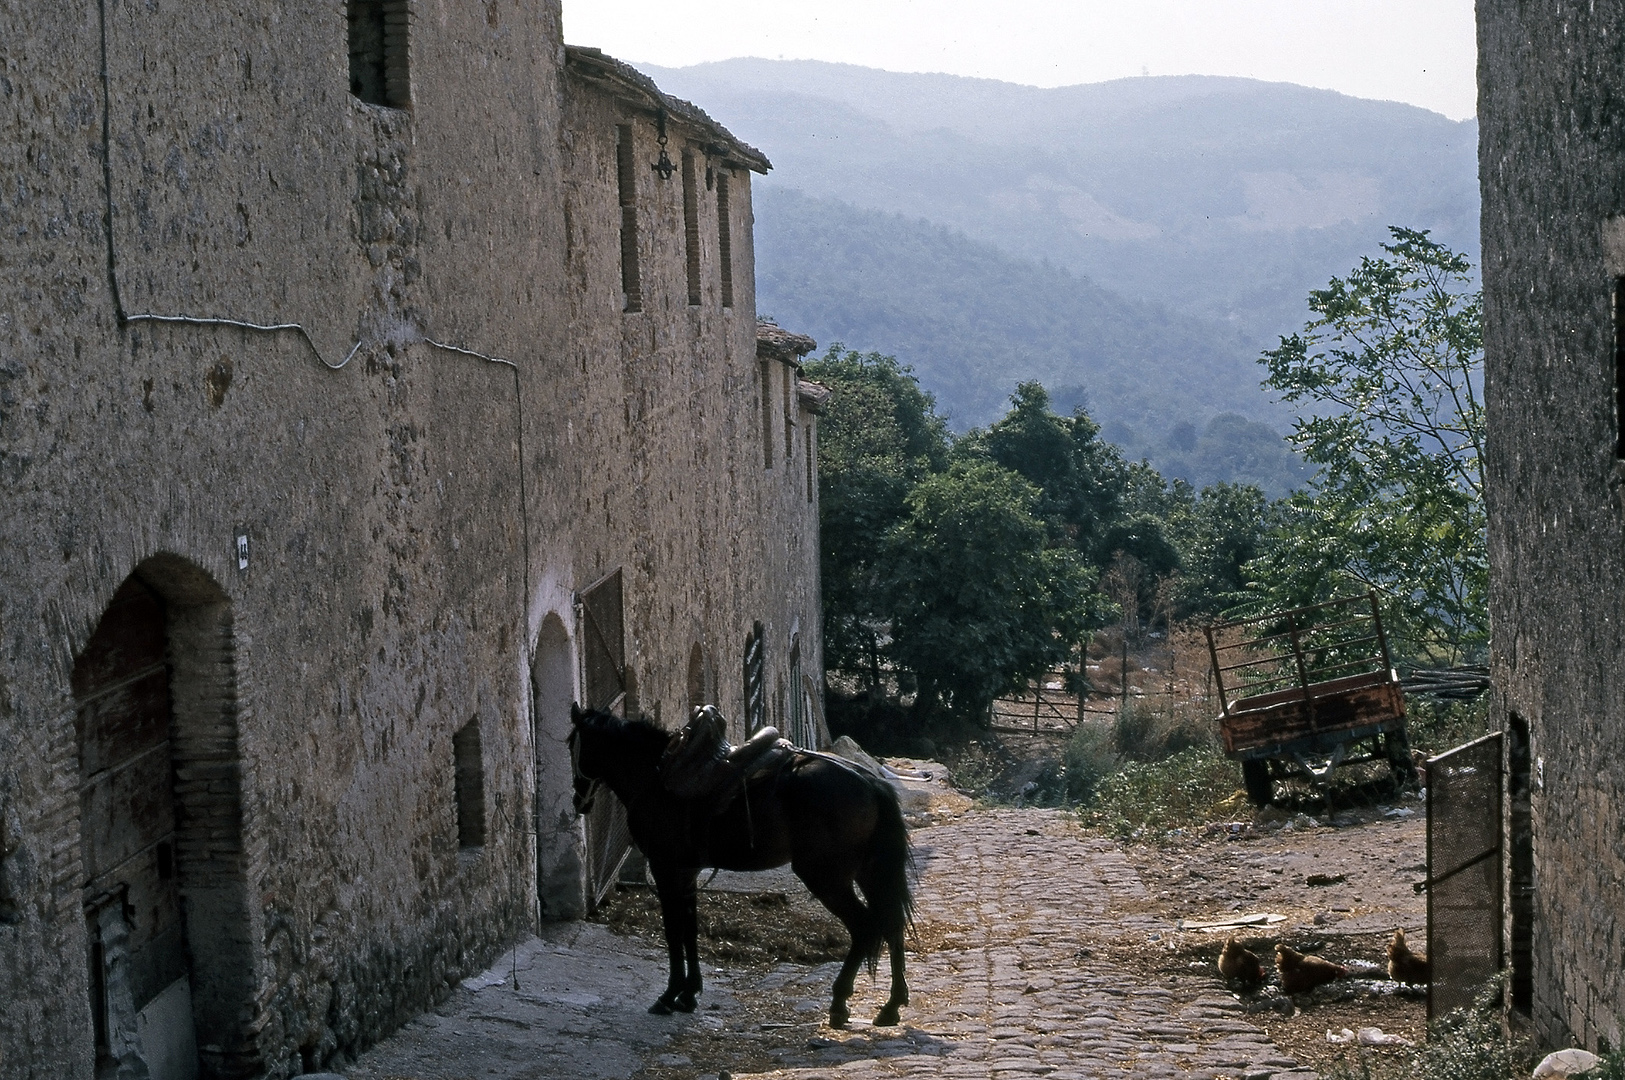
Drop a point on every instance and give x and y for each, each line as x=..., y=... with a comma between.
x=586, y=785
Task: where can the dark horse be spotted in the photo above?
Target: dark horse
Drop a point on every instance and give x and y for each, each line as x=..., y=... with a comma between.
x=836, y=824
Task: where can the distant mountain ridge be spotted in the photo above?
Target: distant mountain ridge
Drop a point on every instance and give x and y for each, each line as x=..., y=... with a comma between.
x=1209, y=206
x=1230, y=197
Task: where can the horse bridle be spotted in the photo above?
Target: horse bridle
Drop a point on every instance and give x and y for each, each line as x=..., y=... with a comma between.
x=583, y=802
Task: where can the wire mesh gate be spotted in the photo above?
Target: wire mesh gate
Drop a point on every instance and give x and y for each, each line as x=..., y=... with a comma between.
x=1464, y=872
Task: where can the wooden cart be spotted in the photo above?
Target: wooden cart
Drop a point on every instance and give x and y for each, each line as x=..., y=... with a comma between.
x=1307, y=691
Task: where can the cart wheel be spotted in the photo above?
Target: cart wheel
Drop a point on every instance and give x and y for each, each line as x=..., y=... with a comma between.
x=1256, y=776
x=1397, y=748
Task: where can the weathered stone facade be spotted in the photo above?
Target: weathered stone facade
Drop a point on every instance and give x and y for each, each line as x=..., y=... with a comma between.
x=359, y=542
x=1552, y=168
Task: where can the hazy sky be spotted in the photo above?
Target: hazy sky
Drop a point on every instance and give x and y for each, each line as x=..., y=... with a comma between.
x=1419, y=51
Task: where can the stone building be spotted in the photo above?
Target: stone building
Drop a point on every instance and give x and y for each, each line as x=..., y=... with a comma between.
x=375, y=379
x=1552, y=168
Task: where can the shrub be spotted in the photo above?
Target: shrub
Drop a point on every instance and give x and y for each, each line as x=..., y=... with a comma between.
x=1143, y=732
x=1434, y=725
x=1191, y=787
x=1089, y=759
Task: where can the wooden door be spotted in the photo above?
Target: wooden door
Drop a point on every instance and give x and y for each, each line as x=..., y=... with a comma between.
x=141, y=998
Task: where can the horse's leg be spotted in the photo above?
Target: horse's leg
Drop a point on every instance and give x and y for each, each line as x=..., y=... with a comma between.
x=676, y=889
x=843, y=903
x=888, y=1013
x=691, y=948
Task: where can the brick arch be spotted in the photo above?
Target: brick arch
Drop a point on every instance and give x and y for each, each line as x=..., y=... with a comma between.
x=164, y=881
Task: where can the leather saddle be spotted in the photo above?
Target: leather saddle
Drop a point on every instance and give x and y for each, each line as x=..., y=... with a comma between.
x=701, y=766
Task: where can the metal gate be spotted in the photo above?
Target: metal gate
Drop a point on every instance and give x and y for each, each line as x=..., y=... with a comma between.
x=604, y=686
x=1464, y=872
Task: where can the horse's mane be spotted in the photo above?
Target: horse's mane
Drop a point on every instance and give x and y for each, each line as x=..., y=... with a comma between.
x=640, y=729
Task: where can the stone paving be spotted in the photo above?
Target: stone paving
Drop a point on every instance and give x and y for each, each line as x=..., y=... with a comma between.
x=1021, y=902
x=1017, y=910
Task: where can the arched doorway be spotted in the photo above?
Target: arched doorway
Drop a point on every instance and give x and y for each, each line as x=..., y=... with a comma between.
x=560, y=872
x=163, y=886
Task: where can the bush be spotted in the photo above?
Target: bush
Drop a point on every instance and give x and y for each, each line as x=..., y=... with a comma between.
x=1089, y=759
x=1142, y=732
x=1434, y=725
x=1194, y=786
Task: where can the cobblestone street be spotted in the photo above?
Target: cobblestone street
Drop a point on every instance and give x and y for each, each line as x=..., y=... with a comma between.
x=1017, y=906
x=1039, y=951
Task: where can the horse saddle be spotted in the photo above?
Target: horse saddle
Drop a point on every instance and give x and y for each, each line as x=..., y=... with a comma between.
x=700, y=765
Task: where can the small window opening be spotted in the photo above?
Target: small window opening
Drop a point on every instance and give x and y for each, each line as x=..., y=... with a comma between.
x=696, y=677
x=1619, y=368
x=789, y=413
x=626, y=175
x=379, y=50
x=812, y=471
x=767, y=413
x=797, y=717
x=9, y=913
x=755, y=684
x=691, y=227
x=166, y=860
x=725, y=255
x=470, y=785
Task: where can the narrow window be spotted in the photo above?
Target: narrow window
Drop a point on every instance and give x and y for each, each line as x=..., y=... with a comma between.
x=691, y=228
x=789, y=412
x=797, y=719
x=755, y=684
x=812, y=448
x=725, y=254
x=470, y=785
x=767, y=413
x=9, y=913
x=696, y=677
x=1619, y=368
x=627, y=181
x=379, y=40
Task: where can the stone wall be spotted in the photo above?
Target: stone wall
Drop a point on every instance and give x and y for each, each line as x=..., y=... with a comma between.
x=1552, y=167
x=368, y=531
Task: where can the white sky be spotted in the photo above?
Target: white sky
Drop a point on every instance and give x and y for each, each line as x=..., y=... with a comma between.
x=1417, y=51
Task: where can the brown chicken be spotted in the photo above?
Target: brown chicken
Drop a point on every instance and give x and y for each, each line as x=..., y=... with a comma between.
x=1300, y=973
x=1406, y=966
x=1240, y=965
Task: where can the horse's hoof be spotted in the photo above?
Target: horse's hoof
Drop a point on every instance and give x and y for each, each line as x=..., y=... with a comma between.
x=661, y=1008
x=684, y=1003
x=887, y=1016
x=838, y=1016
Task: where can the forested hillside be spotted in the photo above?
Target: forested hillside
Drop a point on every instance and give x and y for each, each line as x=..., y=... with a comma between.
x=974, y=321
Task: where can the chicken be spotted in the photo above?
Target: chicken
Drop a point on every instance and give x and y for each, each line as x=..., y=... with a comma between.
x=1300, y=973
x=1406, y=966
x=1240, y=965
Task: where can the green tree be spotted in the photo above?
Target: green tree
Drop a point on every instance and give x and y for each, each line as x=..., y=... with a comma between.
x=1081, y=479
x=880, y=437
x=1391, y=370
x=980, y=601
x=1217, y=533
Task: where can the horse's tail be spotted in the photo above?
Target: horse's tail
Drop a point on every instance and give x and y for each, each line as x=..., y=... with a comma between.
x=891, y=863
